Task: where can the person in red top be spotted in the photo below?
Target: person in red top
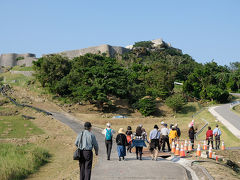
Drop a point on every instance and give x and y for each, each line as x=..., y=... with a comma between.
x=209, y=136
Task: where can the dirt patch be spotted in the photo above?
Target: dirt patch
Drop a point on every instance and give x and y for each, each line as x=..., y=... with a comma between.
x=220, y=172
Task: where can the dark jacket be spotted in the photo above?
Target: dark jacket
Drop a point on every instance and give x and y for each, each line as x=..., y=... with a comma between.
x=191, y=133
x=139, y=131
x=128, y=132
x=121, y=140
x=178, y=132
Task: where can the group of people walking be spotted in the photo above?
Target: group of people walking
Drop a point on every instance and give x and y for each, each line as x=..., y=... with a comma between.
x=158, y=139
x=126, y=140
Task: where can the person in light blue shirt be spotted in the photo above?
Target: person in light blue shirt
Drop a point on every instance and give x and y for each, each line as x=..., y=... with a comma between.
x=86, y=141
x=217, y=133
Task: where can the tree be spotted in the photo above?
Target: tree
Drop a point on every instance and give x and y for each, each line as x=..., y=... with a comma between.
x=144, y=44
x=176, y=102
x=96, y=78
x=209, y=82
x=146, y=106
x=51, y=69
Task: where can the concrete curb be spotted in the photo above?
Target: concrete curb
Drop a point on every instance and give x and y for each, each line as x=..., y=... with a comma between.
x=226, y=123
x=187, y=164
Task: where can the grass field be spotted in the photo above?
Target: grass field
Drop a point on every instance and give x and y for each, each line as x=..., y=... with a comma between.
x=16, y=79
x=17, y=127
x=20, y=68
x=17, y=162
x=13, y=125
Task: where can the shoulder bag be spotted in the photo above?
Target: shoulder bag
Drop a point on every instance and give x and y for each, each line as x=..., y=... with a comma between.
x=77, y=153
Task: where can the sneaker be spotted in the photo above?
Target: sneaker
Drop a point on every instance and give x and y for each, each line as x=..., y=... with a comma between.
x=119, y=159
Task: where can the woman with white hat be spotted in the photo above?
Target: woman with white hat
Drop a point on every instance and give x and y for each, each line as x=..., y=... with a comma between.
x=121, y=140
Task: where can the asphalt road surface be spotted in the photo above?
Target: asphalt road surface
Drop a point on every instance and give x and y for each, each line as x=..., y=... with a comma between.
x=129, y=169
x=226, y=112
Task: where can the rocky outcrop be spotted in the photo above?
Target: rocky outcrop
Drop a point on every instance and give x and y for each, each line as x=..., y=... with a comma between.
x=13, y=59
x=157, y=44
x=111, y=51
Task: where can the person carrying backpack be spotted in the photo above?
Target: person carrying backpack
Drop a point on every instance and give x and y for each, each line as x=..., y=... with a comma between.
x=129, y=135
x=108, y=132
x=217, y=133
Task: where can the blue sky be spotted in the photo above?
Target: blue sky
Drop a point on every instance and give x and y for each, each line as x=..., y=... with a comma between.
x=206, y=29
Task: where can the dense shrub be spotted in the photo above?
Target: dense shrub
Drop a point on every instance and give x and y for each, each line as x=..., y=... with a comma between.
x=147, y=106
x=176, y=102
x=144, y=44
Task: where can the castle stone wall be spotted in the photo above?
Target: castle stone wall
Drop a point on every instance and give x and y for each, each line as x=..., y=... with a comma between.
x=109, y=50
x=10, y=60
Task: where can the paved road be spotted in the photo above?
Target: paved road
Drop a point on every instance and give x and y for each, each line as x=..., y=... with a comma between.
x=227, y=117
x=129, y=169
x=226, y=112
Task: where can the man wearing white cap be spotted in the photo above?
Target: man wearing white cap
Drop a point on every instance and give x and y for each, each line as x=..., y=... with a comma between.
x=108, y=132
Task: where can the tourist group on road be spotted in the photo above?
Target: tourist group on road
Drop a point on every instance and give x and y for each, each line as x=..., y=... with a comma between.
x=159, y=138
x=126, y=141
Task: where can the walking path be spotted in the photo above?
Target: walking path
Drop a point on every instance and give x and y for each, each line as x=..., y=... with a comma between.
x=227, y=117
x=129, y=169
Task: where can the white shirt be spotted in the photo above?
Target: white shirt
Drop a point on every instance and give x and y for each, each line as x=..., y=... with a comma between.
x=164, y=131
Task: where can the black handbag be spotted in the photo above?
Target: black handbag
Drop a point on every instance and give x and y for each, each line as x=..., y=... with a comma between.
x=77, y=153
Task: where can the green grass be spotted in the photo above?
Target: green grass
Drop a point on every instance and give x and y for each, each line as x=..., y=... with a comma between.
x=16, y=79
x=17, y=162
x=237, y=109
x=20, y=68
x=178, y=88
x=23, y=81
x=14, y=126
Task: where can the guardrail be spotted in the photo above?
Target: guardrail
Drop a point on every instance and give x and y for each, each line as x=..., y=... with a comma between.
x=235, y=103
x=201, y=130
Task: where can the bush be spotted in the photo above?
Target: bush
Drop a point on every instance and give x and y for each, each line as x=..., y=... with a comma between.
x=145, y=44
x=146, y=106
x=176, y=102
x=19, y=58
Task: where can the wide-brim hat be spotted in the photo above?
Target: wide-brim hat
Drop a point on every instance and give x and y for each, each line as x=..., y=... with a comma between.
x=121, y=130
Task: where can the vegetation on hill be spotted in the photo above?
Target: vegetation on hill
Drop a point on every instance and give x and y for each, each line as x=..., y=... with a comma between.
x=145, y=71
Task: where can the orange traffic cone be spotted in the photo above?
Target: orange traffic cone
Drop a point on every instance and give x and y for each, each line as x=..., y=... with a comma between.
x=199, y=150
x=185, y=146
x=173, y=147
x=177, y=152
x=182, y=152
x=190, y=146
x=210, y=152
x=223, y=146
x=204, y=145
